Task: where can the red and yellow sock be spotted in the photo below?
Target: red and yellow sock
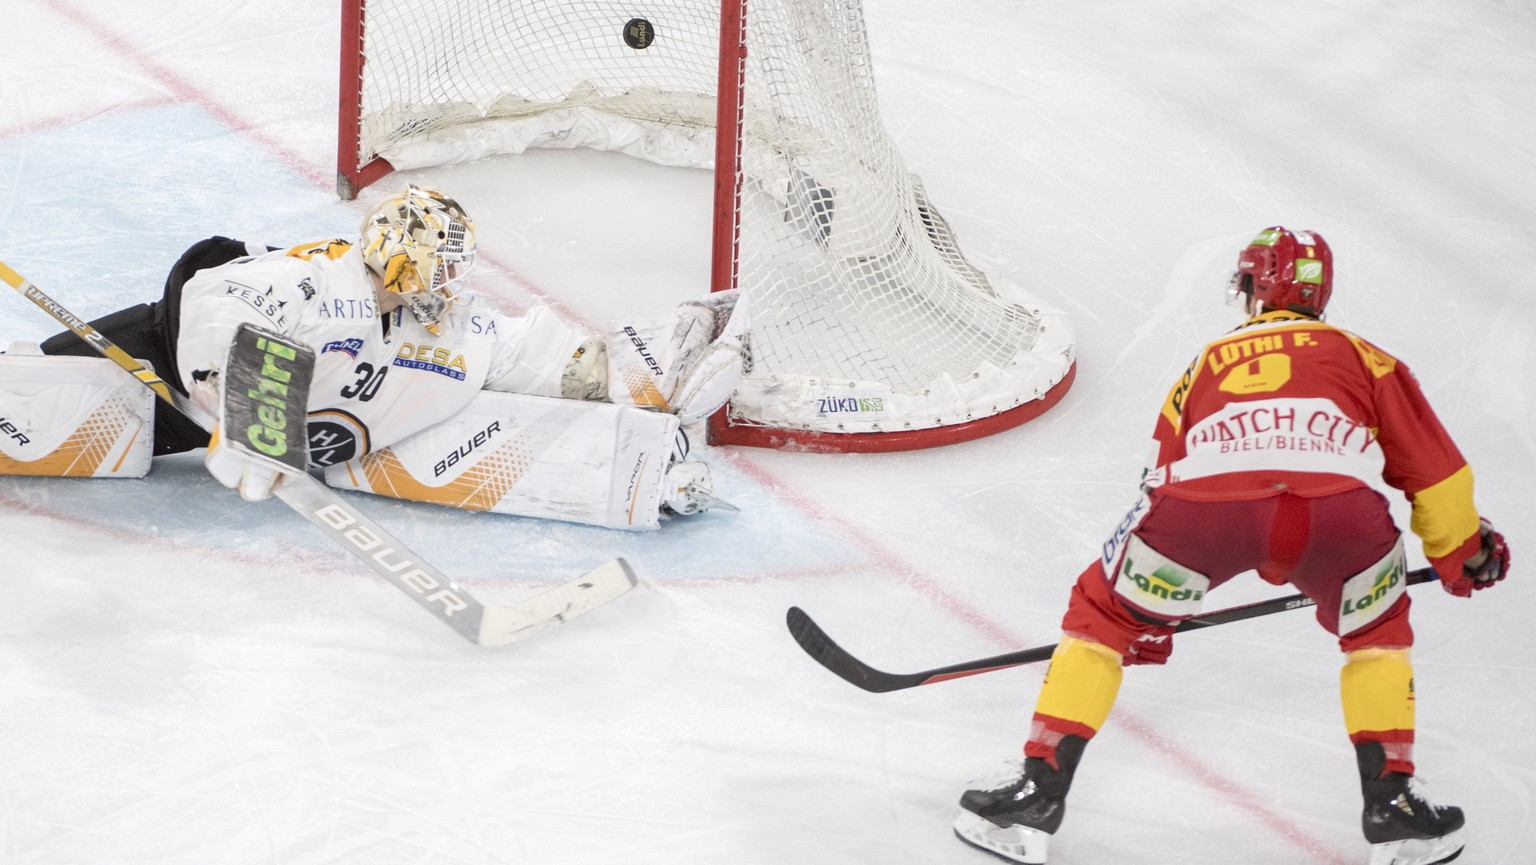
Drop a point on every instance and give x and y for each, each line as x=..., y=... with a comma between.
x=1377, y=689
x=1080, y=689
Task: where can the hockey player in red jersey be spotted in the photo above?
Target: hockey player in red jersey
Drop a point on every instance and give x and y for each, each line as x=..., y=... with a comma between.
x=1269, y=456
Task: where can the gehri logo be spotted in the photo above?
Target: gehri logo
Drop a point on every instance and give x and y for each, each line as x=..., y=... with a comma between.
x=268, y=433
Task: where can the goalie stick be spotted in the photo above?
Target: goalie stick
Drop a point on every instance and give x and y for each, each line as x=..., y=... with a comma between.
x=365, y=539
x=829, y=654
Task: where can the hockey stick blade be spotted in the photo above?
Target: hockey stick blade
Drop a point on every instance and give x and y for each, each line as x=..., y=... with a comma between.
x=829, y=654
x=366, y=540
x=436, y=593
x=517, y=622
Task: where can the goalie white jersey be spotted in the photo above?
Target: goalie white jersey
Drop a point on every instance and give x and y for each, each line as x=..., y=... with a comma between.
x=376, y=381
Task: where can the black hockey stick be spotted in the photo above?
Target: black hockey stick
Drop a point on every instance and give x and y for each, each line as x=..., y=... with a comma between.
x=819, y=646
x=365, y=539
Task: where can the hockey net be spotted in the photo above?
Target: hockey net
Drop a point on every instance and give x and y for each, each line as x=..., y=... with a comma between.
x=871, y=331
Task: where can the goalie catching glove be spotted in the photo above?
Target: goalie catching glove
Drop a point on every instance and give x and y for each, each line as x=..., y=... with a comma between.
x=688, y=362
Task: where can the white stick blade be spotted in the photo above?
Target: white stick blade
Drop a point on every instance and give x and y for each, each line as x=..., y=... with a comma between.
x=510, y=624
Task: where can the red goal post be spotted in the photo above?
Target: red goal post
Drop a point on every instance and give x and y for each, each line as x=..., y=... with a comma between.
x=871, y=331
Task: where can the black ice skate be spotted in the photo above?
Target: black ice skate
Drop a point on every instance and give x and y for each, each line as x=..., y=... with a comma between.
x=1401, y=824
x=1016, y=821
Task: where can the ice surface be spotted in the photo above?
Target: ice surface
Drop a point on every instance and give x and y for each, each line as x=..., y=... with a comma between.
x=185, y=678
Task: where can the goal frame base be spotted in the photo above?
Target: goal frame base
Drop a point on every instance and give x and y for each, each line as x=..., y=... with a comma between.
x=722, y=432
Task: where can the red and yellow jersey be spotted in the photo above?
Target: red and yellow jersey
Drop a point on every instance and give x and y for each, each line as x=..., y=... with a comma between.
x=1286, y=402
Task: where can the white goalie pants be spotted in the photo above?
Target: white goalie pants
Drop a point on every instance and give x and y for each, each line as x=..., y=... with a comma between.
x=585, y=462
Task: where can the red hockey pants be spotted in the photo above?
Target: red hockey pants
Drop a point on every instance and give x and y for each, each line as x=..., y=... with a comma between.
x=1313, y=543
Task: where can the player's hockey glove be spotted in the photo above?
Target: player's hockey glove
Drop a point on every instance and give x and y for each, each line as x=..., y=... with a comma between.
x=1153, y=647
x=1483, y=568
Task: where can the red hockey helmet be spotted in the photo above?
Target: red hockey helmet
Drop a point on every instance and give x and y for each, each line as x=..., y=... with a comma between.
x=1286, y=269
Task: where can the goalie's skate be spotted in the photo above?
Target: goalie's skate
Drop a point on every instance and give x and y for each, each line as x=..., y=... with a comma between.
x=1405, y=828
x=690, y=489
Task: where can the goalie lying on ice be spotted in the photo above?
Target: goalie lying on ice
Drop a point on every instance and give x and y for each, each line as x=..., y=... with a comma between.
x=419, y=390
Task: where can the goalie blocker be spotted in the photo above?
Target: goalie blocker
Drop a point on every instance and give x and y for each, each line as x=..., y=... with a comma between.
x=72, y=417
x=262, y=433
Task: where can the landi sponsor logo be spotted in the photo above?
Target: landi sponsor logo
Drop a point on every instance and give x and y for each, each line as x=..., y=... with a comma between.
x=1380, y=589
x=1163, y=583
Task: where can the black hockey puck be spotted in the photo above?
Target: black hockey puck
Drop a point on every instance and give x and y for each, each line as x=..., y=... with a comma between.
x=639, y=34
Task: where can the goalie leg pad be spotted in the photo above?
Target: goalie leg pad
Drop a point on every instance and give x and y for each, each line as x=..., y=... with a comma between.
x=72, y=417
x=585, y=462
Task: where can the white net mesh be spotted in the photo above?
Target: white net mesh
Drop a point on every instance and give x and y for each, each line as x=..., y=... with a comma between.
x=866, y=316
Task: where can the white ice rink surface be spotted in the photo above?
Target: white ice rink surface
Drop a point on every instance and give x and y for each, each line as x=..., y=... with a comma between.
x=185, y=678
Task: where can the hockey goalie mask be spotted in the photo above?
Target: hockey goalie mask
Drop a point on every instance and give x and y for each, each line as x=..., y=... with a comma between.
x=1284, y=269
x=422, y=244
